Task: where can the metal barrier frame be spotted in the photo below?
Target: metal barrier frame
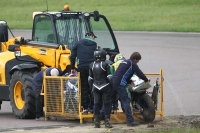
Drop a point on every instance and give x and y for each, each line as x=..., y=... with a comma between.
x=161, y=111
x=44, y=92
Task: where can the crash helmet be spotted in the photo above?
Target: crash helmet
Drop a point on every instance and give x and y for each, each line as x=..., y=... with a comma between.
x=119, y=57
x=100, y=54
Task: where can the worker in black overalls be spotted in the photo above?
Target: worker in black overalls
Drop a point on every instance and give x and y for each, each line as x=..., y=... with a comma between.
x=37, y=87
x=100, y=79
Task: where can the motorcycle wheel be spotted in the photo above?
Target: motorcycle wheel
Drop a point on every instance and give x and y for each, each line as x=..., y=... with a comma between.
x=147, y=104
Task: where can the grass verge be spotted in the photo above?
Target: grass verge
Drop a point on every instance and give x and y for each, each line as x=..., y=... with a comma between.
x=128, y=15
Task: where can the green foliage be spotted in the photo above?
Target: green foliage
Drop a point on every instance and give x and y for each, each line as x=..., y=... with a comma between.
x=127, y=15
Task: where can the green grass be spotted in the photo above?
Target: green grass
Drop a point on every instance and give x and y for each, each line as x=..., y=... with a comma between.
x=123, y=15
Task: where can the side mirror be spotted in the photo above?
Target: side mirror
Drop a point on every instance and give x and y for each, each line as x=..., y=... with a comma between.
x=3, y=31
x=96, y=16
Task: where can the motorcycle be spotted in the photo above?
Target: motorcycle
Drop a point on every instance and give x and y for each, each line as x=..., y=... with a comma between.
x=141, y=101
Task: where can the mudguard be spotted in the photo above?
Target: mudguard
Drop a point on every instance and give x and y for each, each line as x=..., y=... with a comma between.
x=26, y=65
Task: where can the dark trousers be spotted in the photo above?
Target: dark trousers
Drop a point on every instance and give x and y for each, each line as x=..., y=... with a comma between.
x=39, y=104
x=123, y=95
x=102, y=96
x=86, y=96
x=114, y=102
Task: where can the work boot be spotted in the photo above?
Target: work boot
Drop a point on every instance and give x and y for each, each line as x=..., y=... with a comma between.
x=40, y=119
x=107, y=121
x=134, y=123
x=96, y=121
x=90, y=109
x=85, y=112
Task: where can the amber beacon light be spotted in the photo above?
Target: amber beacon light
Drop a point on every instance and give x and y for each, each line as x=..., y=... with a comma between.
x=66, y=7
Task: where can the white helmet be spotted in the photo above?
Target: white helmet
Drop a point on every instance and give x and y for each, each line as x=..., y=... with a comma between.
x=54, y=72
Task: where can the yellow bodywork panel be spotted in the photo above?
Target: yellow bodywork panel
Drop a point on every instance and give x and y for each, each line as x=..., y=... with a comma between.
x=42, y=54
x=4, y=58
x=4, y=45
x=48, y=56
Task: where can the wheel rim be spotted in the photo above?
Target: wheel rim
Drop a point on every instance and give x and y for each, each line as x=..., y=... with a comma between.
x=18, y=95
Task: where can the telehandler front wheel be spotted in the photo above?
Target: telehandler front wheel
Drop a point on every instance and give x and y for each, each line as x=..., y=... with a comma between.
x=22, y=98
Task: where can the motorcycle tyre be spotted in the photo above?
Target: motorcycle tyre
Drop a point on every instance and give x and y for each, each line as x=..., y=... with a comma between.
x=147, y=104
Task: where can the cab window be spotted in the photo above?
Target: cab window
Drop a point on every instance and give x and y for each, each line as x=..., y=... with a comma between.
x=43, y=29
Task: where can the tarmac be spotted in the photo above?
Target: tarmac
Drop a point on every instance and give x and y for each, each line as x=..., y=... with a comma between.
x=81, y=128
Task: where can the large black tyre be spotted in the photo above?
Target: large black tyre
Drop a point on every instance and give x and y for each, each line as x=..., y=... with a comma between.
x=22, y=98
x=147, y=104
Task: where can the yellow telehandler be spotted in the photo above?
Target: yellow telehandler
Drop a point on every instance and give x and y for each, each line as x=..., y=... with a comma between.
x=53, y=36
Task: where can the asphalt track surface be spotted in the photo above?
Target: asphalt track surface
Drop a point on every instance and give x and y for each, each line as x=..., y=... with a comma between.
x=176, y=53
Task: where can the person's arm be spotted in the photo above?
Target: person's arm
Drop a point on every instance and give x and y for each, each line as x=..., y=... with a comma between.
x=47, y=71
x=73, y=56
x=109, y=75
x=108, y=69
x=90, y=78
x=90, y=71
x=139, y=73
x=60, y=72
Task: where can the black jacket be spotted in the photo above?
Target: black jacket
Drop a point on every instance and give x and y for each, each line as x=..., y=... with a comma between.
x=84, y=51
x=125, y=71
x=38, y=79
x=99, y=73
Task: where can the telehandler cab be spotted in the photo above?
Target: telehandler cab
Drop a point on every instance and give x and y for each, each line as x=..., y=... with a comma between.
x=53, y=36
